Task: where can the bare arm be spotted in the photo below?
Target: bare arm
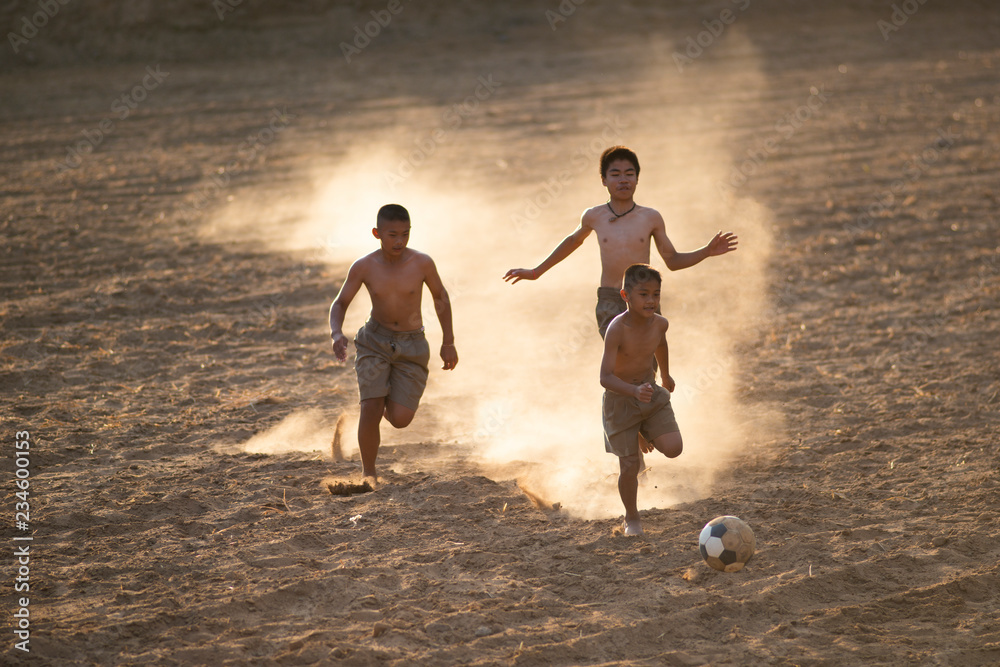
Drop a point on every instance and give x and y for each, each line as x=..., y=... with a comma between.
x=561, y=252
x=442, y=306
x=338, y=309
x=719, y=245
x=662, y=355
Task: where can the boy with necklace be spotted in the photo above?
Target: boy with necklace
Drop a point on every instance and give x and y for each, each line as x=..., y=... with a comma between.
x=624, y=230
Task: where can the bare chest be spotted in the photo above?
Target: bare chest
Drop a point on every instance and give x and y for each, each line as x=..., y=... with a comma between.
x=639, y=343
x=395, y=282
x=623, y=236
x=627, y=231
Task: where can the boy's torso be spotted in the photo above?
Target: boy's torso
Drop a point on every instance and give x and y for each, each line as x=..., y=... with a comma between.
x=624, y=241
x=395, y=290
x=637, y=346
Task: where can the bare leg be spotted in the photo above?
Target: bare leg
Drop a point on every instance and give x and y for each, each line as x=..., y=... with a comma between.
x=644, y=448
x=398, y=415
x=369, y=435
x=628, y=487
x=669, y=444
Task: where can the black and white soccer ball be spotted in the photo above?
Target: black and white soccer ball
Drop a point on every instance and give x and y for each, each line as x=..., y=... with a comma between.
x=727, y=543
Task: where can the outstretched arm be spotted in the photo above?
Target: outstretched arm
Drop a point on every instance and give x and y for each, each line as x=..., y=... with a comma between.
x=561, y=252
x=720, y=244
x=442, y=306
x=338, y=309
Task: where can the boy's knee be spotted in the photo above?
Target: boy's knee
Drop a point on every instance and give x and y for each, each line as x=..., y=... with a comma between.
x=629, y=465
x=397, y=415
x=670, y=445
x=399, y=421
x=371, y=407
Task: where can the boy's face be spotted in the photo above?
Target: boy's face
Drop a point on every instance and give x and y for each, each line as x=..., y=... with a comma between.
x=643, y=298
x=620, y=178
x=393, y=236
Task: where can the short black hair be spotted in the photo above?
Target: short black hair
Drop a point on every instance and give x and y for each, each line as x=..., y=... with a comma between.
x=640, y=273
x=391, y=212
x=618, y=153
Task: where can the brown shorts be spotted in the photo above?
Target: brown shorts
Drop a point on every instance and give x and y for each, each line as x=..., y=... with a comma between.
x=391, y=364
x=610, y=305
x=625, y=418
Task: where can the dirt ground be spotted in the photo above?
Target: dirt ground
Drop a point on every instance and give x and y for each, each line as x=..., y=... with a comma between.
x=143, y=347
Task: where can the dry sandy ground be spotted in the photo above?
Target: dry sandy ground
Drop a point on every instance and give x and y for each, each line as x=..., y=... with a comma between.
x=141, y=350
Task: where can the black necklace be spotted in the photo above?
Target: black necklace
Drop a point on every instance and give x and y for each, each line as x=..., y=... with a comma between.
x=617, y=215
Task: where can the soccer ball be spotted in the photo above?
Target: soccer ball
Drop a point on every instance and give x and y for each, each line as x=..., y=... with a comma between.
x=726, y=543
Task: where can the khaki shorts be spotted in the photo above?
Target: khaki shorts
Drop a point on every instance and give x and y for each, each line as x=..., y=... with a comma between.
x=610, y=305
x=391, y=364
x=625, y=418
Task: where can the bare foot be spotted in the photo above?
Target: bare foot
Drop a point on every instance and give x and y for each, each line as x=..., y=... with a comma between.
x=632, y=527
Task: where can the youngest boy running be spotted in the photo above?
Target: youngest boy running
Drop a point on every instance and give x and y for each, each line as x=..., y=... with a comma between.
x=633, y=402
x=392, y=356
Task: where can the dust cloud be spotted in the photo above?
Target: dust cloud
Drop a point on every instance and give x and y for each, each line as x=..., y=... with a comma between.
x=304, y=430
x=525, y=399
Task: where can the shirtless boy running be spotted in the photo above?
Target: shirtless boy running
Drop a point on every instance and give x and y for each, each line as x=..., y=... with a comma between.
x=392, y=352
x=624, y=230
x=633, y=403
